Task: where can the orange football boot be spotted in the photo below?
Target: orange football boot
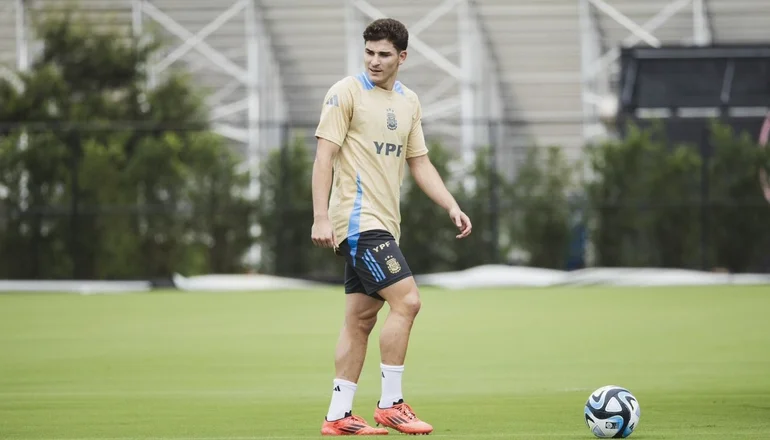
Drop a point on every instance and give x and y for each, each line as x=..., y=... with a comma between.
x=401, y=418
x=350, y=425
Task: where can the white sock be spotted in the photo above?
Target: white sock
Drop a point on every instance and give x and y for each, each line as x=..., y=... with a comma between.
x=342, y=399
x=391, y=385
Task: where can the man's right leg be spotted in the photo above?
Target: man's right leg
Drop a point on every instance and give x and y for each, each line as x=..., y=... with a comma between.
x=360, y=317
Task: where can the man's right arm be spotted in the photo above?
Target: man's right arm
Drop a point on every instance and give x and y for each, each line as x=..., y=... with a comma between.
x=331, y=133
x=322, y=233
x=322, y=177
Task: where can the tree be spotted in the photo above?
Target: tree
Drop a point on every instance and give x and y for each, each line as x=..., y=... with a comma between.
x=643, y=200
x=285, y=215
x=738, y=213
x=476, y=197
x=104, y=177
x=540, y=218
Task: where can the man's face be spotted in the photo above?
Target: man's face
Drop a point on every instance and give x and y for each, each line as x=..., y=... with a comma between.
x=382, y=60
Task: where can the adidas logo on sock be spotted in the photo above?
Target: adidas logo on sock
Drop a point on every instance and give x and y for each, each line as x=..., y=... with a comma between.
x=337, y=388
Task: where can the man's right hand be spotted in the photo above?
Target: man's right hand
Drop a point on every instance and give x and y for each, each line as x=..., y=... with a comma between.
x=322, y=233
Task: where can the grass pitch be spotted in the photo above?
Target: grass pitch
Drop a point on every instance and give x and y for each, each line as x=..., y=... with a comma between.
x=486, y=364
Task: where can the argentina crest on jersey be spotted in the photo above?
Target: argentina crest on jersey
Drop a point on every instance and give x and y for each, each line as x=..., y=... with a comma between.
x=392, y=122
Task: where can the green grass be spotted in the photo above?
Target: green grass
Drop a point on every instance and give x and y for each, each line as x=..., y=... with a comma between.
x=482, y=364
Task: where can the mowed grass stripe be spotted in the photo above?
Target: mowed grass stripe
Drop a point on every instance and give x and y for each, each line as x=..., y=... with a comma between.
x=482, y=364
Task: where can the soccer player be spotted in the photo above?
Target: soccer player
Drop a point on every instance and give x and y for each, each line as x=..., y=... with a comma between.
x=370, y=129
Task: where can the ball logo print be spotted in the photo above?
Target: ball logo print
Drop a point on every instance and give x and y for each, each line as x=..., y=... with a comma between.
x=612, y=412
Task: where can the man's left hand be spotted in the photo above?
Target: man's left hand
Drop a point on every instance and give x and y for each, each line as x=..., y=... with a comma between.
x=462, y=222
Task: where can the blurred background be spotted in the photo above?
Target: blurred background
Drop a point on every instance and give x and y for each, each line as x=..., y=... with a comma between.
x=145, y=138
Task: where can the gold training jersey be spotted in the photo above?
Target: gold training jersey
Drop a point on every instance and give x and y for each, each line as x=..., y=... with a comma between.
x=377, y=131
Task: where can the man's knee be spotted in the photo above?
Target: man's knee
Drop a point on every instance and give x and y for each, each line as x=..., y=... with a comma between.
x=409, y=304
x=361, y=314
x=365, y=324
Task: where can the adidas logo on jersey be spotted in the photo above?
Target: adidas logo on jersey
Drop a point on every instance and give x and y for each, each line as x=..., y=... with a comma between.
x=333, y=101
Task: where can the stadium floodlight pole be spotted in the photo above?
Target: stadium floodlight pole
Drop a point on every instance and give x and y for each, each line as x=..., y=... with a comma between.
x=591, y=48
x=469, y=62
x=137, y=17
x=137, y=27
x=253, y=82
x=254, y=130
x=701, y=23
x=22, y=46
x=487, y=95
x=22, y=64
x=354, y=40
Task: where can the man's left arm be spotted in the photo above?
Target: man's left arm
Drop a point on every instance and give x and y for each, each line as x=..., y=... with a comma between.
x=429, y=180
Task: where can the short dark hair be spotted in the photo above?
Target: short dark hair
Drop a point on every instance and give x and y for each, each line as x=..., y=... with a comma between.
x=388, y=29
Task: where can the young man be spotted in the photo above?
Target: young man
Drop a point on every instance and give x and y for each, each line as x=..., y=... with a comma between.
x=370, y=129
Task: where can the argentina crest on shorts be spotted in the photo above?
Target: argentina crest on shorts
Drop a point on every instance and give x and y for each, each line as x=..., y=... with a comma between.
x=392, y=122
x=393, y=265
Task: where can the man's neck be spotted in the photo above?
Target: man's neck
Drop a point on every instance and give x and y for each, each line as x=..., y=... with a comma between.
x=387, y=85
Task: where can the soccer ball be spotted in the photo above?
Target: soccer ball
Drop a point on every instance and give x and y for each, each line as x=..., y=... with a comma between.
x=612, y=412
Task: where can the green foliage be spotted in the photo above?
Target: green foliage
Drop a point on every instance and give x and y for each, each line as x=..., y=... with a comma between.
x=540, y=215
x=475, y=197
x=663, y=206
x=644, y=201
x=90, y=196
x=738, y=212
x=285, y=215
x=220, y=216
x=673, y=212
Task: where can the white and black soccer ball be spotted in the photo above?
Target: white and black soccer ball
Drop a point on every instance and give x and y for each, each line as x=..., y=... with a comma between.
x=612, y=412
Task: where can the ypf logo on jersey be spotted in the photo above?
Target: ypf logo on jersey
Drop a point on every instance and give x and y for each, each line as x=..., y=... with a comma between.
x=392, y=122
x=388, y=148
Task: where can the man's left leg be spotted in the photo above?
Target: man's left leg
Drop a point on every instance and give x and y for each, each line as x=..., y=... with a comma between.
x=404, y=300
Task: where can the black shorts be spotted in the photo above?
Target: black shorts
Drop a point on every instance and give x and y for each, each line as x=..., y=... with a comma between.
x=373, y=261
